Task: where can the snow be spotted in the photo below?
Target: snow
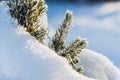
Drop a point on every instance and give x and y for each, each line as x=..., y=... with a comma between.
x=23, y=58
x=98, y=66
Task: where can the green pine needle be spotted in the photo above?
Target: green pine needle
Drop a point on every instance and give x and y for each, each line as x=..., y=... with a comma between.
x=27, y=13
x=58, y=41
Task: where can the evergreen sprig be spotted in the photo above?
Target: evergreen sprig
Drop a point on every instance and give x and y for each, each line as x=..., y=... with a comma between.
x=27, y=13
x=58, y=41
x=72, y=52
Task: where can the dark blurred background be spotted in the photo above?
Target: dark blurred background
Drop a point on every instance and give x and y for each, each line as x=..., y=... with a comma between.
x=78, y=0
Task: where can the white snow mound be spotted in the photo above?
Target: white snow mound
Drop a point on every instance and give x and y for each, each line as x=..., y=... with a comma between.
x=98, y=66
x=23, y=58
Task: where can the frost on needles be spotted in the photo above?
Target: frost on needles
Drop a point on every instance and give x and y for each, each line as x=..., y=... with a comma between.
x=72, y=51
x=58, y=41
x=28, y=12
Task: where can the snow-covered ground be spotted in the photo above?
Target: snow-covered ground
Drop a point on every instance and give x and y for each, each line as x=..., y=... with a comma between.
x=23, y=58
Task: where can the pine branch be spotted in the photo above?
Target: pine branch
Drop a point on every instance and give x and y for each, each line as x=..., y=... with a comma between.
x=76, y=46
x=27, y=13
x=72, y=52
x=58, y=42
x=39, y=34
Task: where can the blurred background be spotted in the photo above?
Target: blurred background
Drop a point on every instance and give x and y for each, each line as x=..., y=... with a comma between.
x=96, y=20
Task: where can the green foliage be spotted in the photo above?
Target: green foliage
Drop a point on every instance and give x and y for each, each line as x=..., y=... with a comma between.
x=79, y=69
x=72, y=51
x=27, y=13
x=58, y=41
x=39, y=34
x=75, y=47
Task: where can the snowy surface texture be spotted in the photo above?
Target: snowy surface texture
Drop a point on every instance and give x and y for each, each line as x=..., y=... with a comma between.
x=23, y=58
x=98, y=66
